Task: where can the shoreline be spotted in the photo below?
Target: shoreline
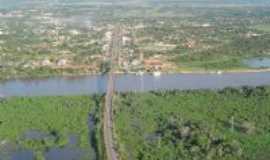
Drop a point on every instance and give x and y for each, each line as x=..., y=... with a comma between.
x=220, y=72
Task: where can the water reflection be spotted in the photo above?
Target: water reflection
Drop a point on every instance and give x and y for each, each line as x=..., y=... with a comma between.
x=23, y=155
x=71, y=151
x=66, y=153
x=260, y=62
x=11, y=151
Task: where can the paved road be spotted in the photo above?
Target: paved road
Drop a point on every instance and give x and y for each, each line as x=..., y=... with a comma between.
x=111, y=153
x=108, y=121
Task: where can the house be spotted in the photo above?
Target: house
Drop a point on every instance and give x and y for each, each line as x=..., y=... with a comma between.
x=153, y=64
x=190, y=44
x=206, y=25
x=126, y=40
x=74, y=32
x=61, y=62
x=46, y=62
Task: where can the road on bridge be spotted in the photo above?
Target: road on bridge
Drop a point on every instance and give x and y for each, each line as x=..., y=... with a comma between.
x=114, y=49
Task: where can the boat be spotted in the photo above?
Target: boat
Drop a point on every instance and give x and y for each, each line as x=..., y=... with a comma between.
x=219, y=72
x=157, y=74
x=141, y=73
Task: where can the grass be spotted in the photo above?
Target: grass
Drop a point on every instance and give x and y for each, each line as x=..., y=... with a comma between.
x=263, y=27
x=59, y=117
x=231, y=124
x=40, y=72
x=222, y=64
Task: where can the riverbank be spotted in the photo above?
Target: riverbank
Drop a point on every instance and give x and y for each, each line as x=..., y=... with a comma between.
x=178, y=71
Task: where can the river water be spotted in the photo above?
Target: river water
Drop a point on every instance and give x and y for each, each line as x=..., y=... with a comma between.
x=124, y=83
x=259, y=62
x=128, y=82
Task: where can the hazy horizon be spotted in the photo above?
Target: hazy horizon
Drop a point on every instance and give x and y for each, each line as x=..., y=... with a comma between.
x=5, y=4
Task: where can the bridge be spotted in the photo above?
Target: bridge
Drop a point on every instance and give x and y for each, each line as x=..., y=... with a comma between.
x=114, y=49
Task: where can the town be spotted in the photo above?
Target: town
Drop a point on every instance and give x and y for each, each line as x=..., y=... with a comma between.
x=60, y=40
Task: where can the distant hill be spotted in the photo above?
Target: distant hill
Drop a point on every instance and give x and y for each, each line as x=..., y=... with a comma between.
x=205, y=3
x=12, y=4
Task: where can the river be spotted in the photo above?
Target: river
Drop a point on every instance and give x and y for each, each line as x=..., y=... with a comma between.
x=83, y=85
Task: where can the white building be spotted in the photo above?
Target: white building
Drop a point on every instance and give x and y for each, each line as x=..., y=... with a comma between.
x=126, y=40
x=61, y=62
x=46, y=62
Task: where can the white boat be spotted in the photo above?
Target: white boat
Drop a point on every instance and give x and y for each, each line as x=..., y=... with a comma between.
x=157, y=74
x=219, y=72
x=140, y=73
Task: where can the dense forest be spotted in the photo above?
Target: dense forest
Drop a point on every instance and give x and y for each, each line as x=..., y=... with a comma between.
x=229, y=124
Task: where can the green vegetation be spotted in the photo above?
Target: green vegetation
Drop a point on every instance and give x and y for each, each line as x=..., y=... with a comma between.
x=99, y=143
x=35, y=39
x=52, y=43
x=263, y=27
x=203, y=37
x=218, y=43
x=33, y=73
x=229, y=124
x=50, y=121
